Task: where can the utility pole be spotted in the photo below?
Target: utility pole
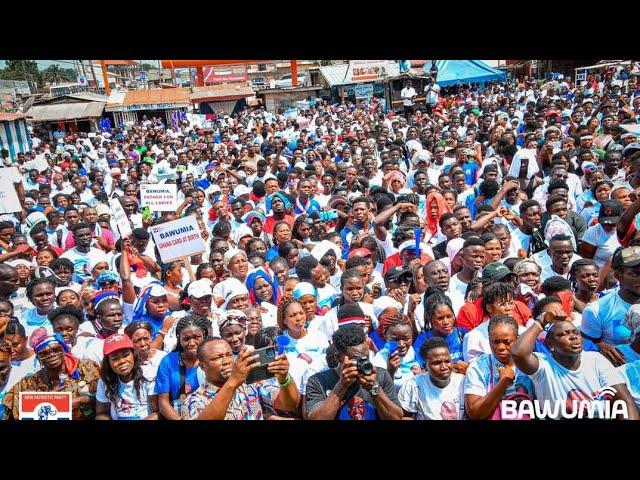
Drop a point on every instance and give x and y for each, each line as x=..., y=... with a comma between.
x=159, y=74
x=93, y=74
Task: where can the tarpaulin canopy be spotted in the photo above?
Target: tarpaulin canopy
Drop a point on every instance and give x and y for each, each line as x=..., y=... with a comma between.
x=455, y=72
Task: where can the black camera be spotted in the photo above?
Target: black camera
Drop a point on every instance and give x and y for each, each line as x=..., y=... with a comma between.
x=364, y=365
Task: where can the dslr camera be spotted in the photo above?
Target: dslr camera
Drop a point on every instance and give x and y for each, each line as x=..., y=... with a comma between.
x=364, y=365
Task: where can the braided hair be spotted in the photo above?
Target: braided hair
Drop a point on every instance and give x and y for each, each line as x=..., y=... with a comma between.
x=189, y=321
x=575, y=267
x=282, y=308
x=433, y=300
x=503, y=320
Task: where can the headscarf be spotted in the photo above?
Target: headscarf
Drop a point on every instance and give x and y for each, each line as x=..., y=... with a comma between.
x=140, y=313
x=232, y=288
x=303, y=289
x=281, y=196
x=232, y=317
x=95, y=258
x=232, y=252
x=251, y=216
x=240, y=232
x=432, y=223
x=527, y=265
x=556, y=226
x=379, y=306
x=251, y=286
x=107, y=276
x=40, y=339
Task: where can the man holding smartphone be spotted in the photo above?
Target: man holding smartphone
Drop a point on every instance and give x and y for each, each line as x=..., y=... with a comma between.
x=226, y=396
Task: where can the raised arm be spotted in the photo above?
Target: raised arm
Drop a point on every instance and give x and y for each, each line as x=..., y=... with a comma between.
x=522, y=349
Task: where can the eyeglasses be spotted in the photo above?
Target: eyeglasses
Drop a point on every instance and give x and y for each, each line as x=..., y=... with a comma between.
x=50, y=352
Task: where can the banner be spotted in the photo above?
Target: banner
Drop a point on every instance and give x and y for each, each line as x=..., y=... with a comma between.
x=227, y=73
x=159, y=197
x=363, y=91
x=120, y=217
x=9, y=201
x=45, y=406
x=178, y=239
x=366, y=70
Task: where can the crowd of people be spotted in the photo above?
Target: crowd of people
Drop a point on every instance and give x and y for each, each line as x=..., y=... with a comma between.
x=427, y=265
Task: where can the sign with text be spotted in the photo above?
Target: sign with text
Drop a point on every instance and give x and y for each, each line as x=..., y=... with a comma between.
x=120, y=217
x=45, y=406
x=178, y=239
x=363, y=91
x=159, y=197
x=367, y=70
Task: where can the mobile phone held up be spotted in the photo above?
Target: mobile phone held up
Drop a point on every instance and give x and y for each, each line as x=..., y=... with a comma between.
x=266, y=356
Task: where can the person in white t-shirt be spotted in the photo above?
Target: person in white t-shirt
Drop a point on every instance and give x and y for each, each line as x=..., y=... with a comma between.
x=569, y=378
x=123, y=392
x=140, y=333
x=437, y=394
x=408, y=93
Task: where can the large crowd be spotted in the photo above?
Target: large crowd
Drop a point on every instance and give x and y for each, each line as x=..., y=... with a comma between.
x=436, y=264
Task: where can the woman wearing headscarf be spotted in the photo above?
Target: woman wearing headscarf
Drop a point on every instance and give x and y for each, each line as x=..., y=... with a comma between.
x=236, y=262
x=256, y=220
x=152, y=306
x=61, y=372
x=307, y=295
x=436, y=207
x=528, y=272
x=263, y=293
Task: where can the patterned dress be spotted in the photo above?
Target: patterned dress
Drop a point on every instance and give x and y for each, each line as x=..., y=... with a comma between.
x=89, y=373
x=249, y=402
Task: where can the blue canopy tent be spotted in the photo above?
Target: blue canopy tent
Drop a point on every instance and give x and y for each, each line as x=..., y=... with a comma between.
x=456, y=72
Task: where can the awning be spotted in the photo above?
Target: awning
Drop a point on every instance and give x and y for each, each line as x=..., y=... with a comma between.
x=66, y=111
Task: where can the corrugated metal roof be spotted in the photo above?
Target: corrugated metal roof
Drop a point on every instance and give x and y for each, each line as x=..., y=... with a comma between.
x=335, y=75
x=11, y=116
x=116, y=98
x=66, y=111
x=90, y=96
x=222, y=91
x=157, y=96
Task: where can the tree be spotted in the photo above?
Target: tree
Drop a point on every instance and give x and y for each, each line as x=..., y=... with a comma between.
x=147, y=66
x=22, y=70
x=55, y=74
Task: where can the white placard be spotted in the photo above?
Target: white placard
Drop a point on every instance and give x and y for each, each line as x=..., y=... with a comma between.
x=120, y=217
x=366, y=70
x=159, y=197
x=9, y=201
x=178, y=239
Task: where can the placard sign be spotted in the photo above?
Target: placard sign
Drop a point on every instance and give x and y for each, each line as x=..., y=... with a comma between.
x=159, y=197
x=9, y=201
x=366, y=70
x=45, y=406
x=120, y=217
x=178, y=239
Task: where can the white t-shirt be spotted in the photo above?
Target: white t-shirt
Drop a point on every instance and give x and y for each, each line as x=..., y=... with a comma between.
x=329, y=323
x=519, y=239
x=408, y=94
x=544, y=260
x=428, y=402
x=150, y=367
x=478, y=379
x=88, y=348
x=476, y=342
x=127, y=405
x=457, y=291
x=605, y=243
x=555, y=383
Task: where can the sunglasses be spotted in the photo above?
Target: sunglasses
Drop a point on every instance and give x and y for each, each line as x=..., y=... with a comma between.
x=50, y=352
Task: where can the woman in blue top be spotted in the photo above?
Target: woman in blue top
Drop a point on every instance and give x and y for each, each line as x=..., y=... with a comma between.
x=152, y=305
x=281, y=233
x=440, y=321
x=42, y=293
x=600, y=192
x=397, y=356
x=177, y=374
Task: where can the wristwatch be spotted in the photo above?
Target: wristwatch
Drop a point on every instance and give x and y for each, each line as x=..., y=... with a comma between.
x=375, y=390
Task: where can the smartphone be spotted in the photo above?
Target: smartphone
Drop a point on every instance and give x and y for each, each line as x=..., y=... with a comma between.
x=146, y=212
x=266, y=356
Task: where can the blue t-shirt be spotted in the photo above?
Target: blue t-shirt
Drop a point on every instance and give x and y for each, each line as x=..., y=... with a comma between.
x=314, y=206
x=454, y=341
x=470, y=170
x=168, y=377
x=603, y=319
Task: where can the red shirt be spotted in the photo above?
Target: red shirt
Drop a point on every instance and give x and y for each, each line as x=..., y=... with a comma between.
x=471, y=314
x=395, y=261
x=271, y=222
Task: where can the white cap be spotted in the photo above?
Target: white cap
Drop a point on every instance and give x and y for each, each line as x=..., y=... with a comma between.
x=200, y=288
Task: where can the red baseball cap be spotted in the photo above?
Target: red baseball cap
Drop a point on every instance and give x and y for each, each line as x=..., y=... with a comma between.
x=116, y=342
x=360, y=252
